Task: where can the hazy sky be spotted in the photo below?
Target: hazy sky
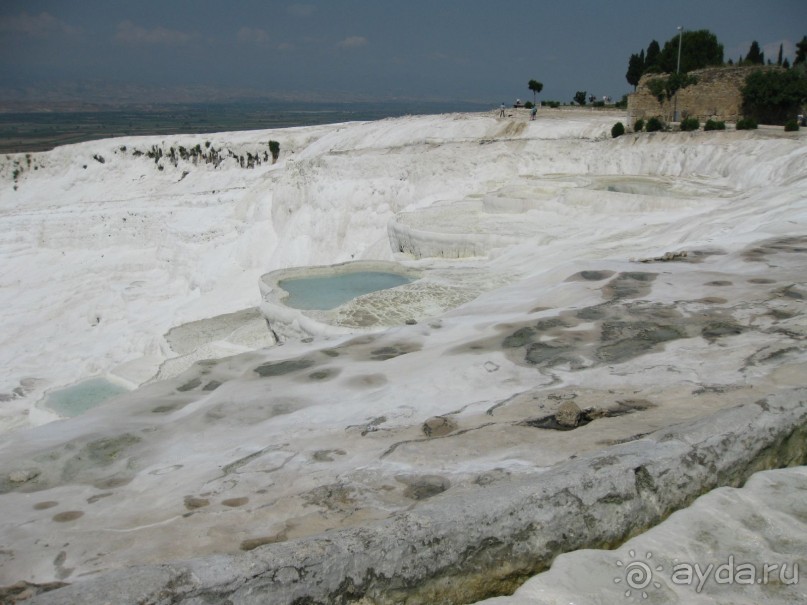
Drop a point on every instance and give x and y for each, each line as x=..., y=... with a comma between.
x=427, y=49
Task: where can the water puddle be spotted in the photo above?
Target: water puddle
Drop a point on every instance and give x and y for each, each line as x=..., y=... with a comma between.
x=329, y=292
x=78, y=398
x=637, y=186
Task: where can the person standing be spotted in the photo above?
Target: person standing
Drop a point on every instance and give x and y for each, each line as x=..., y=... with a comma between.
x=501, y=111
x=533, y=111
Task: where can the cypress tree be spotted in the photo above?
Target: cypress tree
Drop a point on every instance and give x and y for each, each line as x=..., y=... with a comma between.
x=754, y=56
x=651, y=58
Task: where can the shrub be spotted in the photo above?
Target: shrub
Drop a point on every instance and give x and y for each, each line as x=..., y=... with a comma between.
x=656, y=88
x=714, y=125
x=528, y=105
x=638, y=125
x=617, y=130
x=689, y=124
x=654, y=125
x=553, y=104
x=746, y=124
x=773, y=96
x=791, y=126
x=274, y=149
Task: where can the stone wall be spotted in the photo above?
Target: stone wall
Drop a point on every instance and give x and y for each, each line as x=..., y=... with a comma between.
x=716, y=95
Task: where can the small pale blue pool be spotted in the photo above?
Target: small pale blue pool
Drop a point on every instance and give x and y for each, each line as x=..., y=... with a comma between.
x=323, y=293
x=77, y=399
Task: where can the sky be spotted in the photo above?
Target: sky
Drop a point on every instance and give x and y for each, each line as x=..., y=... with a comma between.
x=341, y=50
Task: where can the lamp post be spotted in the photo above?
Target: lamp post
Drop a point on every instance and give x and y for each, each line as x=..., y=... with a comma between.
x=677, y=71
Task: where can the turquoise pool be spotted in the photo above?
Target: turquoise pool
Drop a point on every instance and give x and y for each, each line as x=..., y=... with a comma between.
x=323, y=293
x=77, y=399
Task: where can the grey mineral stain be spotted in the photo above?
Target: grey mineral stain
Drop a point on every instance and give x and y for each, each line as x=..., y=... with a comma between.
x=62, y=572
x=625, y=340
x=423, y=487
x=630, y=284
x=112, y=482
x=609, y=333
x=45, y=505
x=190, y=385
x=323, y=375
x=391, y=352
x=327, y=455
x=367, y=381
x=590, y=275
x=97, y=497
x=795, y=292
x=193, y=502
x=717, y=329
x=491, y=476
x=280, y=368
x=69, y=515
x=788, y=245
x=253, y=543
x=712, y=300
x=519, y=338
x=79, y=462
x=335, y=497
x=167, y=408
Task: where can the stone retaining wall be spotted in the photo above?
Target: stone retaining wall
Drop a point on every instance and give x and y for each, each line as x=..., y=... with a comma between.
x=717, y=95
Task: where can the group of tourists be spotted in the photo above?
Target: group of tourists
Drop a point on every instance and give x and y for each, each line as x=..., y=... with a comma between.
x=518, y=104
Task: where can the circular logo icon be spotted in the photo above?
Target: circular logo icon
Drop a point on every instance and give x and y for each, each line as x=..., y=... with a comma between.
x=638, y=574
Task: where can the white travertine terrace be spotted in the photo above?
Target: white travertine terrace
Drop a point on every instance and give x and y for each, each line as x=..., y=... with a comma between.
x=651, y=288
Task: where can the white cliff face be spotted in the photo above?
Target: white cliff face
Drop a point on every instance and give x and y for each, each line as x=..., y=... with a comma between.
x=743, y=546
x=531, y=232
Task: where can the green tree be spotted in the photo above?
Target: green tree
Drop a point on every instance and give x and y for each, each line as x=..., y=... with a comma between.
x=699, y=49
x=580, y=97
x=657, y=87
x=801, y=52
x=774, y=97
x=755, y=56
x=779, y=59
x=536, y=87
x=635, y=69
x=652, y=57
x=274, y=149
x=677, y=81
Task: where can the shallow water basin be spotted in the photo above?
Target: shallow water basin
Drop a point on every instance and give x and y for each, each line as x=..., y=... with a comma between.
x=331, y=291
x=78, y=398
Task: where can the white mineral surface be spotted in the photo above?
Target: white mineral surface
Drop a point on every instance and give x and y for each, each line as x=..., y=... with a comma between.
x=649, y=290
x=741, y=546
